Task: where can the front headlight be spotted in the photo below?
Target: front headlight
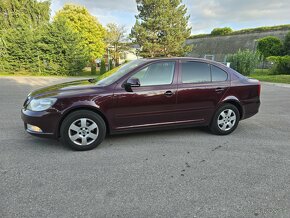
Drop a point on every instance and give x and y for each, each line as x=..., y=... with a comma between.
x=41, y=104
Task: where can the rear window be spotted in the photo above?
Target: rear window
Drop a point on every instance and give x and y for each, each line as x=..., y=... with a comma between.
x=195, y=72
x=218, y=74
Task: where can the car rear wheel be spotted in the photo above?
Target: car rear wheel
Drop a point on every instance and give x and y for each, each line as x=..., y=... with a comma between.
x=83, y=130
x=225, y=120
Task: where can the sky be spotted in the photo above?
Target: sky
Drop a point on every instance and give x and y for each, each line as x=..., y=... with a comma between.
x=204, y=14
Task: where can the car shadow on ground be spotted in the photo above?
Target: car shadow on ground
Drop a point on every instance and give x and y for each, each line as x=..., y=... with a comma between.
x=155, y=135
x=40, y=143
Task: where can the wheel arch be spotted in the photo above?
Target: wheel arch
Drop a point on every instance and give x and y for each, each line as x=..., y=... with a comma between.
x=234, y=101
x=89, y=108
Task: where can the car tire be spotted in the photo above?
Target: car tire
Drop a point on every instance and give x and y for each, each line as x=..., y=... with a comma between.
x=83, y=130
x=225, y=120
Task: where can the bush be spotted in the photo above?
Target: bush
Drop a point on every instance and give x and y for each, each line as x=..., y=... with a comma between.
x=244, y=62
x=281, y=64
x=287, y=44
x=111, y=64
x=270, y=46
x=221, y=31
x=103, y=67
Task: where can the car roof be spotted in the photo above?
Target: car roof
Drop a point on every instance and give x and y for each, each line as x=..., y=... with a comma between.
x=186, y=59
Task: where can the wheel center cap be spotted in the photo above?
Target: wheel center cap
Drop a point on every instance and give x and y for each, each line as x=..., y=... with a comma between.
x=84, y=132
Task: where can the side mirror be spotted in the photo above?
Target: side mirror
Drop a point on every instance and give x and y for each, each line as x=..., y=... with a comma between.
x=132, y=82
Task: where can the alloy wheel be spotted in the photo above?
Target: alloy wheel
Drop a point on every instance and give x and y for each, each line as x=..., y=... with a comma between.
x=226, y=119
x=83, y=131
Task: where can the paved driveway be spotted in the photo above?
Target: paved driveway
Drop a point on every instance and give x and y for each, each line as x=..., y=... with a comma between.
x=175, y=173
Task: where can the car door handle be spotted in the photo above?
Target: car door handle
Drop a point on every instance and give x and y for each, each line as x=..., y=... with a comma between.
x=168, y=93
x=219, y=89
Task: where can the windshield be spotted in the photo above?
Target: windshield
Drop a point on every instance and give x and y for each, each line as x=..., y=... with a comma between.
x=112, y=76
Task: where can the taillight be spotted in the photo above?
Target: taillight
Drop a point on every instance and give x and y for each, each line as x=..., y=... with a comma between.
x=259, y=88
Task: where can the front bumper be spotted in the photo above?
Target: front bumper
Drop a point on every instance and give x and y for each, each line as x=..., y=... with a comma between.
x=47, y=121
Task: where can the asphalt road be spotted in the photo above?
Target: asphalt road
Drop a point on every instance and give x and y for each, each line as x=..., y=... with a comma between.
x=175, y=173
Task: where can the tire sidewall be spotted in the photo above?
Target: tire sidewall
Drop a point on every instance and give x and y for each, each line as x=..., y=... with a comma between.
x=75, y=116
x=214, y=125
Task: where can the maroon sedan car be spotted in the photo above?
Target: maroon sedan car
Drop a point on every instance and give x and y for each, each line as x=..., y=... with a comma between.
x=144, y=94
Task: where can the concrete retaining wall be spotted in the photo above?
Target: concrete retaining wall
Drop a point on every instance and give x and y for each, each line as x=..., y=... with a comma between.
x=220, y=46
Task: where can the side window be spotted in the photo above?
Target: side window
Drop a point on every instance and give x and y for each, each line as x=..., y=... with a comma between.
x=156, y=74
x=218, y=75
x=195, y=72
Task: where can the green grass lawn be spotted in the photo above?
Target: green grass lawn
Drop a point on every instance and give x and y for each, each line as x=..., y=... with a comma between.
x=266, y=76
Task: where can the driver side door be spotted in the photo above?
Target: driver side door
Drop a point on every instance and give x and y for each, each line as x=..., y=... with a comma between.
x=151, y=104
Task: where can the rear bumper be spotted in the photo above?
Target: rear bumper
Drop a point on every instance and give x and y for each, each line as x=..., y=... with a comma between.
x=250, y=109
x=46, y=121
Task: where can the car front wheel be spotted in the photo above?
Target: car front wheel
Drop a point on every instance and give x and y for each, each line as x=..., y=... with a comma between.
x=83, y=130
x=225, y=120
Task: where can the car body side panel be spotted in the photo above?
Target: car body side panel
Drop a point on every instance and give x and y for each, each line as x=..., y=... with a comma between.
x=246, y=94
x=197, y=102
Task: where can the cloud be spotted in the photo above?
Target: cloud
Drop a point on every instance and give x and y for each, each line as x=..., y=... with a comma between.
x=208, y=14
x=110, y=5
x=106, y=11
x=204, y=15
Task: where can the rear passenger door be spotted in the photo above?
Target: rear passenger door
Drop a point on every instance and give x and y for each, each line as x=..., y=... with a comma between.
x=200, y=88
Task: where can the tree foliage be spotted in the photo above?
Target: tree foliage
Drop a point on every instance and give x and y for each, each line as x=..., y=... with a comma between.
x=29, y=12
x=244, y=62
x=87, y=26
x=103, y=67
x=286, y=46
x=29, y=41
x=161, y=28
x=221, y=31
x=116, y=39
x=281, y=64
x=270, y=46
x=19, y=31
x=20, y=52
x=62, y=49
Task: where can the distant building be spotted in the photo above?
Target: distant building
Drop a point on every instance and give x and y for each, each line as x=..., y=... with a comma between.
x=130, y=54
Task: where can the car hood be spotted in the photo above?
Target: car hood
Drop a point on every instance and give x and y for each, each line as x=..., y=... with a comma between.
x=78, y=86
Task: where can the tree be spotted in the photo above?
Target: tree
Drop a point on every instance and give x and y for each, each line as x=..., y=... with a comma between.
x=20, y=21
x=221, y=31
x=29, y=12
x=111, y=64
x=103, y=67
x=286, y=46
x=270, y=46
x=161, y=28
x=89, y=29
x=115, y=39
x=20, y=49
x=61, y=49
